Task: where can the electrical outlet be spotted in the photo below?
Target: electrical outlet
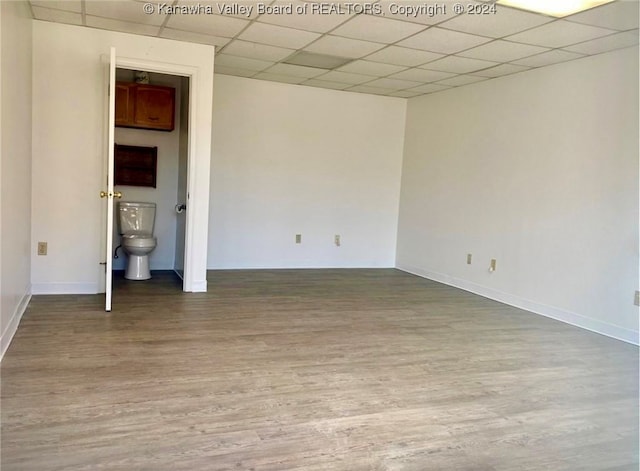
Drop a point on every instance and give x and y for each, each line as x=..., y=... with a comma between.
x=336, y=240
x=298, y=238
x=468, y=259
x=42, y=248
x=637, y=299
x=492, y=265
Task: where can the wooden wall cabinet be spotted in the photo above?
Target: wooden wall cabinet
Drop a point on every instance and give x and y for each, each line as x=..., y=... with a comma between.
x=145, y=106
x=135, y=165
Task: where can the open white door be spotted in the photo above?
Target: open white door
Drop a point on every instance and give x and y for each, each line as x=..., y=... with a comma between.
x=108, y=194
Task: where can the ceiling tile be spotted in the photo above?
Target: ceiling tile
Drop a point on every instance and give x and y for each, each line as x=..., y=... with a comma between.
x=503, y=22
x=130, y=11
x=257, y=51
x=345, y=77
x=214, y=25
x=245, y=9
x=278, y=35
x=345, y=5
x=224, y=70
x=369, y=89
x=410, y=10
x=279, y=78
x=57, y=16
x=123, y=26
x=621, y=15
x=343, y=47
x=502, y=51
x=429, y=88
x=188, y=36
x=392, y=83
x=459, y=65
x=309, y=21
x=327, y=84
x=547, y=58
x=319, y=61
x=295, y=70
x=371, y=68
x=461, y=80
x=608, y=43
x=422, y=75
x=442, y=40
x=241, y=62
x=405, y=94
x=378, y=29
x=403, y=56
x=500, y=70
x=560, y=33
x=75, y=5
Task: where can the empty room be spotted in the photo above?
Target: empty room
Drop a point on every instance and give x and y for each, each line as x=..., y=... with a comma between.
x=301, y=235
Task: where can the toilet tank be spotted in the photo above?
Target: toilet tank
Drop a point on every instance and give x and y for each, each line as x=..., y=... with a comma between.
x=136, y=217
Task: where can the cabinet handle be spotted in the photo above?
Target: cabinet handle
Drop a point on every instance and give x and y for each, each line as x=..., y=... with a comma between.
x=153, y=118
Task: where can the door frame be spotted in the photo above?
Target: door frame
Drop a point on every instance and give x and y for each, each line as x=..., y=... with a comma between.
x=188, y=282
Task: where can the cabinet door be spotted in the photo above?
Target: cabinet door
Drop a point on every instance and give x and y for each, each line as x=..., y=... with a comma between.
x=155, y=107
x=124, y=104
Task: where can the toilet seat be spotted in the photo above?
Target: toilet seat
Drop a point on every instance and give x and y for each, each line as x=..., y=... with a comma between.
x=138, y=240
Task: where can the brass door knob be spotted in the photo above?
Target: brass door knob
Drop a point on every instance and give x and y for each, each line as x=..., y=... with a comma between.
x=116, y=194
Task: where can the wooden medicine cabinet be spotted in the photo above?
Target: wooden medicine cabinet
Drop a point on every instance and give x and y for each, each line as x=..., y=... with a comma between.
x=145, y=106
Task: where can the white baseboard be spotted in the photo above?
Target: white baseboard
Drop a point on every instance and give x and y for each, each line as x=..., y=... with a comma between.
x=12, y=325
x=568, y=317
x=65, y=288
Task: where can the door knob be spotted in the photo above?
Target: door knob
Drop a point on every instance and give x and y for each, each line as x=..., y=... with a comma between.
x=115, y=194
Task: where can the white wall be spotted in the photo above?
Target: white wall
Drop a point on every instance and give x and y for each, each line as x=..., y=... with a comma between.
x=15, y=166
x=164, y=195
x=538, y=170
x=290, y=160
x=69, y=90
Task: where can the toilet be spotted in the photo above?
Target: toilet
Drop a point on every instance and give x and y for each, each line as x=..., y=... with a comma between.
x=135, y=223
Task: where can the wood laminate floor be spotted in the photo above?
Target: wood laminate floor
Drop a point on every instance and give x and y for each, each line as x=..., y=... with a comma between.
x=372, y=370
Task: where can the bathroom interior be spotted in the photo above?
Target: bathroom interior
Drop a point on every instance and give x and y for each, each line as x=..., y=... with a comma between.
x=151, y=163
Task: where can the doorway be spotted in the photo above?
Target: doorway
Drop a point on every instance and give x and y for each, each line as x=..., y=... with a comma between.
x=182, y=60
x=169, y=190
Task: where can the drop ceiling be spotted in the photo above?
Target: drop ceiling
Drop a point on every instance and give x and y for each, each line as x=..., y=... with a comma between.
x=385, y=47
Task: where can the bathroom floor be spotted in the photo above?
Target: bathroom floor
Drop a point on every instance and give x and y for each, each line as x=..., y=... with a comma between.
x=160, y=279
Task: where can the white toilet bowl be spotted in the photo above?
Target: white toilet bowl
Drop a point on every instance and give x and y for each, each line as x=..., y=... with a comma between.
x=138, y=247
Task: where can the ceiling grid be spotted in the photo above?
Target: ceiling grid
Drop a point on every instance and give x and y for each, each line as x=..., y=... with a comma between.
x=402, y=48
